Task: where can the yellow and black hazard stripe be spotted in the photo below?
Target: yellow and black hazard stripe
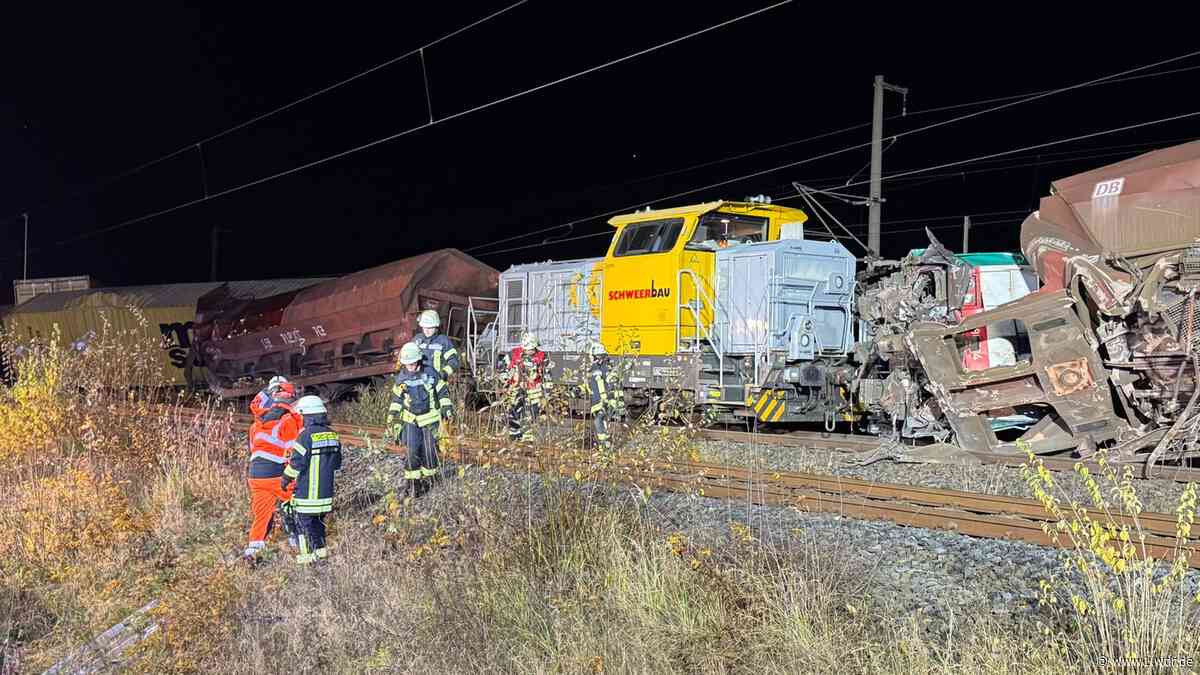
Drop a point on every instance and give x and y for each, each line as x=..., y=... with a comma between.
x=770, y=405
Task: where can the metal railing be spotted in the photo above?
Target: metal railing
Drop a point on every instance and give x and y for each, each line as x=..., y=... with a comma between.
x=695, y=306
x=474, y=327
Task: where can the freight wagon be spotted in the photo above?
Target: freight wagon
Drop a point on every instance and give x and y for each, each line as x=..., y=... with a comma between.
x=336, y=334
x=164, y=312
x=1113, y=332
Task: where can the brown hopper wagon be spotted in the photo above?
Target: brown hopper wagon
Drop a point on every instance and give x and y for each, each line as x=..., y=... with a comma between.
x=334, y=335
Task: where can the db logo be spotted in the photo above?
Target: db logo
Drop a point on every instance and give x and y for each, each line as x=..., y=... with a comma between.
x=1108, y=188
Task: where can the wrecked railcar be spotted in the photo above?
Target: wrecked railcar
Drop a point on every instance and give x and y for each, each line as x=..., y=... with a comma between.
x=1113, y=332
x=930, y=286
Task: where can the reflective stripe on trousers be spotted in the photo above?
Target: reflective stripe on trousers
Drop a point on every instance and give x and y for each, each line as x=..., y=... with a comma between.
x=265, y=493
x=422, y=460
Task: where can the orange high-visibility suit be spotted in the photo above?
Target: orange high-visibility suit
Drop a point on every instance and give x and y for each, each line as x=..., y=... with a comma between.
x=270, y=439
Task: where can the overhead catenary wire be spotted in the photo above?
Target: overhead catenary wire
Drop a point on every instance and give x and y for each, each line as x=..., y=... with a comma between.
x=1024, y=165
x=863, y=125
x=405, y=132
x=791, y=195
x=851, y=236
x=946, y=165
x=196, y=145
x=832, y=153
x=542, y=244
x=918, y=171
x=1081, y=154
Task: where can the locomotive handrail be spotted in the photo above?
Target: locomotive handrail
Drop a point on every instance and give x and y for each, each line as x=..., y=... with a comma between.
x=473, y=332
x=701, y=330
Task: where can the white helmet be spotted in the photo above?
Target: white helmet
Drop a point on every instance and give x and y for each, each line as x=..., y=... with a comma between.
x=410, y=353
x=529, y=341
x=429, y=319
x=276, y=381
x=597, y=349
x=310, y=405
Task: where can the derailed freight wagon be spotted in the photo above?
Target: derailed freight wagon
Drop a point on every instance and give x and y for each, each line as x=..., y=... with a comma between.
x=164, y=313
x=336, y=334
x=1113, y=332
x=727, y=301
x=931, y=286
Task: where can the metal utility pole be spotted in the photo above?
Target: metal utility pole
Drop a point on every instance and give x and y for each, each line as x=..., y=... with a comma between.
x=876, y=201
x=966, y=234
x=25, y=271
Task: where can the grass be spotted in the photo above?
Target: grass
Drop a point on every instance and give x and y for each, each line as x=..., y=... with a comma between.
x=492, y=572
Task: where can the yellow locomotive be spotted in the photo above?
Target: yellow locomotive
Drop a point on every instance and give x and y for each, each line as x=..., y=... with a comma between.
x=727, y=301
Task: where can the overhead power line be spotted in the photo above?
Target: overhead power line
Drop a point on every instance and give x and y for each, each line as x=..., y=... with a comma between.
x=433, y=122
x=1036, y=146
x=788, y=165
x=910, y=114
x=195, y=145
x=911, y=173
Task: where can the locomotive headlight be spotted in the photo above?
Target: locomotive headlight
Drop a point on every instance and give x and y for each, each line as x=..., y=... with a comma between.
x=791, y=374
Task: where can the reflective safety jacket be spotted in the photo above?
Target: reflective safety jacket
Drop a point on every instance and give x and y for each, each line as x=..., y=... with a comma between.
x=316, y=455
x=417, y=398
x=604, y=389
x=439, y=353
x=525, y=369
x=270, y=439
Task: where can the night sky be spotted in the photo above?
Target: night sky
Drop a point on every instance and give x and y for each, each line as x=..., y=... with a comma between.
x=89, y=94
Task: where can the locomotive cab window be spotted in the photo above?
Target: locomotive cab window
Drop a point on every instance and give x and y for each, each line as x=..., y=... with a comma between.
x=651, y=236
x=719, y=230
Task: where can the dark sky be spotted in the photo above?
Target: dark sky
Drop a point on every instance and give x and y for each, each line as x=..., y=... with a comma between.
x=89, y=94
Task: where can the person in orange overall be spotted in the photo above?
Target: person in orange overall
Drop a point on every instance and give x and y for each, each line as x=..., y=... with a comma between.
x=261, y=402
x=270, y=439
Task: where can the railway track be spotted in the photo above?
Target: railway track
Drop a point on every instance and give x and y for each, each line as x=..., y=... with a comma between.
x=864, y=444
x=972, y=514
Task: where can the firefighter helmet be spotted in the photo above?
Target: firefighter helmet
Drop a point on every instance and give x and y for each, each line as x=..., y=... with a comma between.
x=410, y=353
x=310, y=405
x=597, y=349
x=276, y=381
x=429, y=319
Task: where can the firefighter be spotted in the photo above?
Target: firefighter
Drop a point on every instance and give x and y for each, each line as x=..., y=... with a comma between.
x=270, y=438
x=262, y=400
x=526, y=367
x=437, y=349
x=607, y=398
x=420, y=399
x=316, y=456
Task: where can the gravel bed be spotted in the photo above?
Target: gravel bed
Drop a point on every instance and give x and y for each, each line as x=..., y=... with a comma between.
x=1156, y=495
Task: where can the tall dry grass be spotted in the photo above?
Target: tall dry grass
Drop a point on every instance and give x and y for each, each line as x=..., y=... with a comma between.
x=474, y=584
x=106, y=488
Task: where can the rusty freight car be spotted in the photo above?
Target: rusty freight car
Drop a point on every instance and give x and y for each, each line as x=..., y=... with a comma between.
x=336, y=334
x=1113, y=358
